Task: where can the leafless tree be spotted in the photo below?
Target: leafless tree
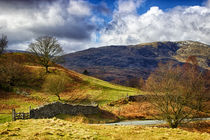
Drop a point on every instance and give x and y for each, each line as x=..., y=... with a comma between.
x=3, y=43
x=141, y=83
x=55, y=84
x=171, y=87
x=47, y=50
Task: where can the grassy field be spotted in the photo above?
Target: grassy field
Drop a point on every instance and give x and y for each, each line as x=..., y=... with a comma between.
x=81, y=89
x=49, y=129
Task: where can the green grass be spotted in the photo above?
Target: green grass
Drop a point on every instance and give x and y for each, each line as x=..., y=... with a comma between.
x=52, y=129
x=5, y=118
x=104, y=92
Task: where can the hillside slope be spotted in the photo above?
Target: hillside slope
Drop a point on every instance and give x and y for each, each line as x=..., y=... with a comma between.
x=118, y=64
x=81, y=89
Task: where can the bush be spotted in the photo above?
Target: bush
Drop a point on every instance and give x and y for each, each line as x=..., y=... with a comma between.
x=13, y=74
x=55, y=84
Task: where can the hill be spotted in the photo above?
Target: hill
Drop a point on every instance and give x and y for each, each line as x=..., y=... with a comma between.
x=81, y=88
x=119, y=64
x=26, y=89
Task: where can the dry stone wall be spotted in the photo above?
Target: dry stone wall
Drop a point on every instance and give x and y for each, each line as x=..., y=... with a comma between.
x=53, y=109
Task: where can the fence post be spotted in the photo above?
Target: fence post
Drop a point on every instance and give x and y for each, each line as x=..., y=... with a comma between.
x=23, y=116
x=13, y=115
x=29, y=112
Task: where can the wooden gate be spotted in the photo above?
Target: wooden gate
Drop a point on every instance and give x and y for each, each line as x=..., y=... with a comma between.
x=20, y=115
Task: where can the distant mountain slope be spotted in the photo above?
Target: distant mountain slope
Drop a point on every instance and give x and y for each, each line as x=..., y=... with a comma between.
x=118, y=64
x=14, y=51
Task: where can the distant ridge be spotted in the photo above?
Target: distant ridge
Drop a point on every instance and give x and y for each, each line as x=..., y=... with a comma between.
x=14, y=51
x=119, y=64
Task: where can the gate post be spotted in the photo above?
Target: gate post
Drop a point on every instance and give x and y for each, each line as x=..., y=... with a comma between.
x=29, y=112
x=24, y=116
x=13, y=115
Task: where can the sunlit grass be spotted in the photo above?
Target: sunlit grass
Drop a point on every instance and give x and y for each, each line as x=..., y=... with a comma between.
x=5, y=118
x=21, y=104
x=88, y=119
x=59, y=129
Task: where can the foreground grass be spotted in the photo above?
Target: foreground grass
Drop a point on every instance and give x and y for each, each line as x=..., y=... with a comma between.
x=88, y=119
x=5, y=118
x=58, y=129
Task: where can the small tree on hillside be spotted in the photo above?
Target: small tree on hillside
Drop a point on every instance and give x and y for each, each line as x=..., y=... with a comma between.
x=85, y=72
x=141, y=83
x=170, y=86
x=3, y=43
x=55, y=84
x=46, y=49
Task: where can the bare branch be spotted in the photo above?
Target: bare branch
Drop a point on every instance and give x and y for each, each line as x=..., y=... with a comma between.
x=3, y=43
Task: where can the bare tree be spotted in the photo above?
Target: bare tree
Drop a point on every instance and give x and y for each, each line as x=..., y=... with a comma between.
x=3, y=43
x=55, y=84
x=47, y=50
x=141, y=83
x=172, y=94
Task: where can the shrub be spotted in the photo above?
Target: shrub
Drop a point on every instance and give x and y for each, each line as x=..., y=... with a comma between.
x=55, y=84
x=13, y=74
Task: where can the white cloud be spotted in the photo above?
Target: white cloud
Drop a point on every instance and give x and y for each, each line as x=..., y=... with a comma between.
x=74, y=23
x=23, y=22
x=128, y=6
x=179, y=23
x=79, y=8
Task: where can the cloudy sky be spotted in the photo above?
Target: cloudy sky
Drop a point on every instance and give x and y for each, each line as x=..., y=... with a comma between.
x=82, y=24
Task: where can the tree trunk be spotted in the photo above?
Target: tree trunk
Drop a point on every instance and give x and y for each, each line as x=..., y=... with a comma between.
x=47, y=71
x=59, y=98
x=173, y=125
x=199, y=104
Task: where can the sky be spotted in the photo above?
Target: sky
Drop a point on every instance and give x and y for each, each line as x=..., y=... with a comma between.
x=83, y=24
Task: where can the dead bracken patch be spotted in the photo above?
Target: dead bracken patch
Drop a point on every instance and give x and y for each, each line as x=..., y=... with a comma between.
x=7, y=107
x=200, y=126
